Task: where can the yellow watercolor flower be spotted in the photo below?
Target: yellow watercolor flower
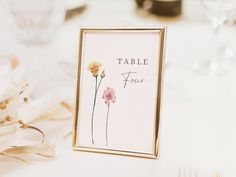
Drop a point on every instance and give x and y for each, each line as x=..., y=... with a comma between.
x=94, y=68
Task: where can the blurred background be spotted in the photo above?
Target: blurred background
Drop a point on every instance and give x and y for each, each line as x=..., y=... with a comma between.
x=40, y=25
x=198, y=124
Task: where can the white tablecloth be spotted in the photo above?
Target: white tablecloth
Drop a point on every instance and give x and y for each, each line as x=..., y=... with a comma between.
x=198, y=118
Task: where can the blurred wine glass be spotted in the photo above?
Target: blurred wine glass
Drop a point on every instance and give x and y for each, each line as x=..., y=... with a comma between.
x=219, y=12
x=35, y=22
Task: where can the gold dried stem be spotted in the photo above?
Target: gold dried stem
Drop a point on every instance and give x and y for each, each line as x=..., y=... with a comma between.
x=67, y=135
x=67, y=106
x=13, y=157
x=52, y=115
x=6, y=101
x=44, y=117
x=3, y=124
x=7, y=133
x=25, y=126
x=42, y=149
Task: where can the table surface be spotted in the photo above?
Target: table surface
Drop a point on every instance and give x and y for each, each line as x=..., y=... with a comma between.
x=198, y=115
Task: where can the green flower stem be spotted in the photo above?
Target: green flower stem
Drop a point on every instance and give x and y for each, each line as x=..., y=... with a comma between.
x=108, y=109
x=94, y=104
x=97, y=85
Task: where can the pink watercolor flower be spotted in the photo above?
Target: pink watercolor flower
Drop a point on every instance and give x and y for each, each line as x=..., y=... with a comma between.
x=109, y=95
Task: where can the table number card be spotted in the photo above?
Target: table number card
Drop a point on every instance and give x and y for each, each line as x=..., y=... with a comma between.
x=119, y=91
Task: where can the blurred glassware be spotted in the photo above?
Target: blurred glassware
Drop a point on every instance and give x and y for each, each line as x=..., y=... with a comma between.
x=219, y=12
x=166, y=7
x=74, y=8
x=187, y=172
x=35, y=22
x=161, y=7
x=139, y=3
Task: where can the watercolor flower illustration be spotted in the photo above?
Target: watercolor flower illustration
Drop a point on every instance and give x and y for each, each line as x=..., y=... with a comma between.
x=110, y=97
x=94, y=68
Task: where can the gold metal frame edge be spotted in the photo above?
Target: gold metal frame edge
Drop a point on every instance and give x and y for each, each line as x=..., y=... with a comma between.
x=156, y=148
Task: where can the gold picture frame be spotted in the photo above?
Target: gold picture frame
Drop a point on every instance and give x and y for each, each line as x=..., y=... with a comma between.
x=154, y=152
